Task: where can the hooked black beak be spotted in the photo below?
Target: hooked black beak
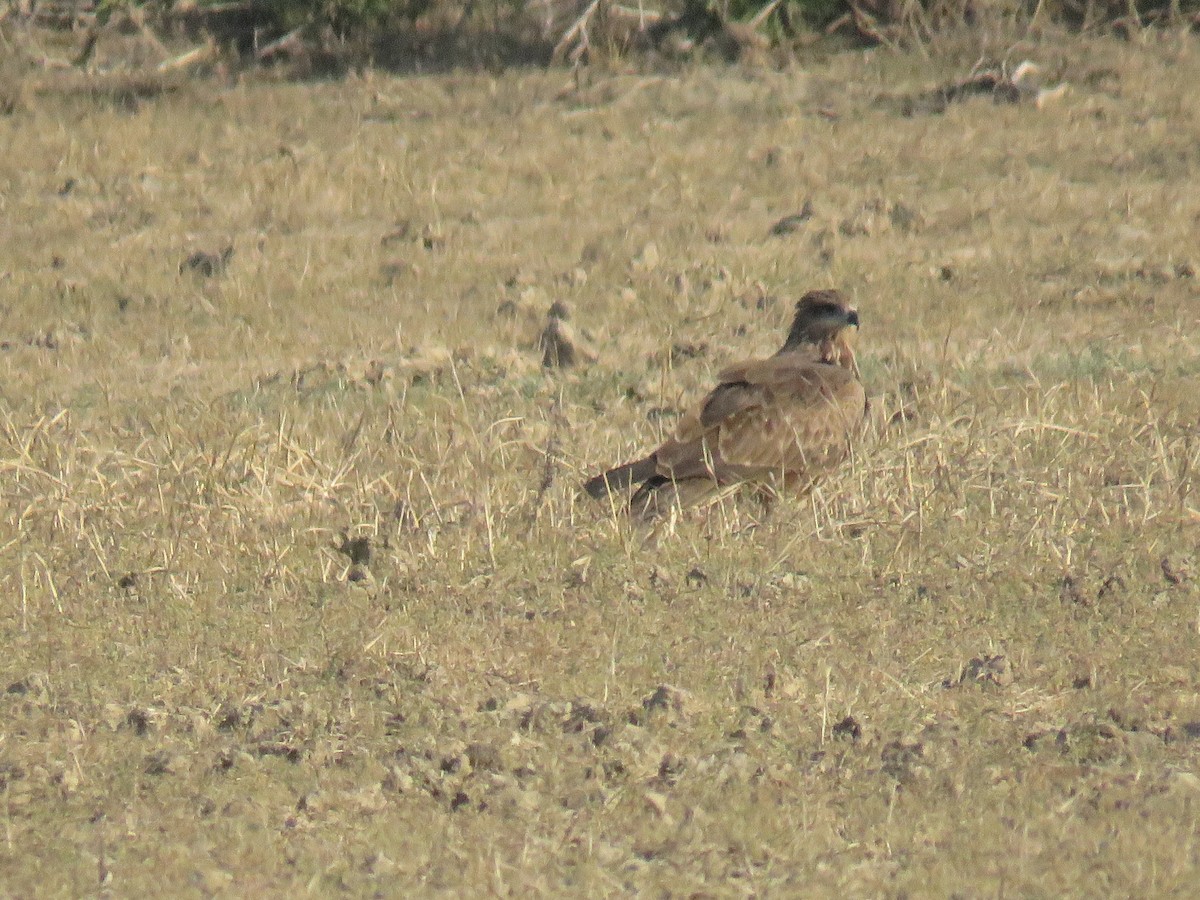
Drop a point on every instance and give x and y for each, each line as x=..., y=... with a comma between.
x=852, y=318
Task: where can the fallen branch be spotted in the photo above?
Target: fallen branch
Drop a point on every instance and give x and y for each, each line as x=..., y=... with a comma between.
x=579, y=27
x=289, y=42
x=191, y=57
x=644, y=16
x=762, y=14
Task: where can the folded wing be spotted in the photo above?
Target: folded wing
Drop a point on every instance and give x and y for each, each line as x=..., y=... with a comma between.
x=788, y=417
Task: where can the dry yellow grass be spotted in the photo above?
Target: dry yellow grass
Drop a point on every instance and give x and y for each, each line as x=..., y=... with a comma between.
x=968, y=665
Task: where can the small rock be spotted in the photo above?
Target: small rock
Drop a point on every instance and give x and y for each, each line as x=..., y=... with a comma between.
x=484, y=757
x=789, y=224
x=648, y=258
x=717, y=234
x=561, y=347
x=1184, y=782
x=576, y=277
x=402, y=232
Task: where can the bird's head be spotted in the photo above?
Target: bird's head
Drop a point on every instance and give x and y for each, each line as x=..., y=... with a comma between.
x=823, y=321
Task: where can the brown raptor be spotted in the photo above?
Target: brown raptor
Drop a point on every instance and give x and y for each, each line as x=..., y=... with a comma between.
x=779, y=422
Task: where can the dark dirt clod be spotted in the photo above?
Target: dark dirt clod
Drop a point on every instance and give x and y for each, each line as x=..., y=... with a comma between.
x=484, y=757
x=207, y=265
x=682, y=350
x=1169, y=572
x=393, y=271
x=158, y=763
x=991, y=670
x=670, y=768
x=902, y=759
x=1110, y=586
x=666, y=697
x=229, y=717
x=357, y=549
x=904, y=217
x=1070, y=592
x=139, y=721
x=848, y=729
x=280, y=749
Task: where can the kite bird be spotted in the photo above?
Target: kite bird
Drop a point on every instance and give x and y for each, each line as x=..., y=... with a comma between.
x=779, y=423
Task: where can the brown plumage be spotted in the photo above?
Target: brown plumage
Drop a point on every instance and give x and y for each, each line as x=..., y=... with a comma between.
x=779, y=422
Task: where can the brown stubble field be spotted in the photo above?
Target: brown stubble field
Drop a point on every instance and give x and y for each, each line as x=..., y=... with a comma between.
x=967, y=665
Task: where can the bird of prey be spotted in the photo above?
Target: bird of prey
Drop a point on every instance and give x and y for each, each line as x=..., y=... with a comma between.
x=779, y=423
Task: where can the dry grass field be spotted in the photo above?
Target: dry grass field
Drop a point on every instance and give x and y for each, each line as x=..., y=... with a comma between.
x=968, y=665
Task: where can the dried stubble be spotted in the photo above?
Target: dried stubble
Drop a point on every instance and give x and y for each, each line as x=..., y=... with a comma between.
x=966, y=664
